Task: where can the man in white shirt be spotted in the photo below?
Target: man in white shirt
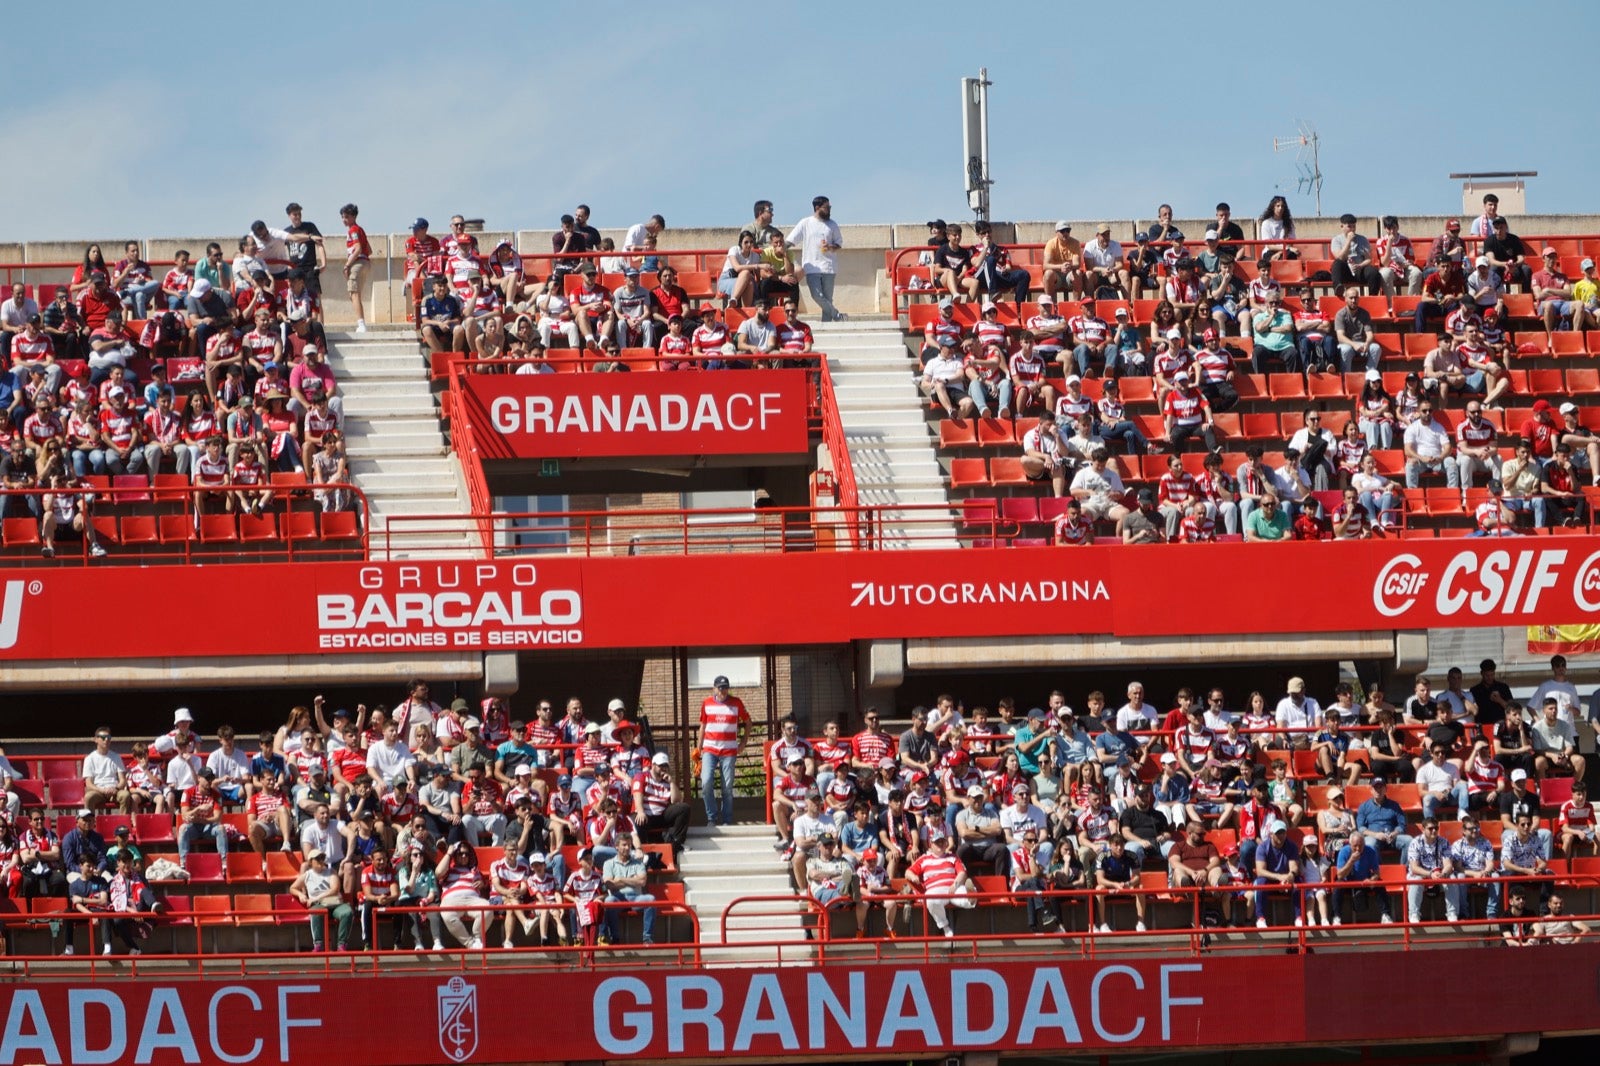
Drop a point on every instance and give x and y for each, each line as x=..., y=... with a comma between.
x=1298, y=712
x=1557, y=685
x=1315, y=445
x=1103, y=265
x=1439, y=781
x=818, y=238
x=1555, y=744
x=104, y=780
x=1427, y=448
x=391, y=761
x=15, y=314
x=1023, y=814
x=230, y=766
x=634, y=240
x=944, y=379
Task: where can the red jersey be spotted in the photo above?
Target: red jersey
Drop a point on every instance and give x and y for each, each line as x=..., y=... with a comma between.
x=119, y=428
x=655, y=794
x=163, y=427
x=177, y=280
x=1069, y=530
x=26, y=349
x=1197, y=530
x=709, y=338
x=375, y=884
x=348, y=763
x=1541, y=435
x=424, y=252
x=833, y=753
x=483, y=798
x=1573, y=816
x=720, y=722
x=264, y=806
x=1028, y=369
x=1185, y=406
x=355, y=240
x=937, y=873
x=871, y=748
x=200, y=802
x=1176, y=489
x=1089, y=329
x=1213, y=364
x=247, y=471
x=1484, y=776
x=794, y=336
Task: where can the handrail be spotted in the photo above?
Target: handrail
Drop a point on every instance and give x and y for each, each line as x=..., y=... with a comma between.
x=184, y=500
x=1028, y=254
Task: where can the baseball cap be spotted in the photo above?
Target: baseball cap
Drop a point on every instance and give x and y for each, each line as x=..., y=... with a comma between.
x=592, y=727
x=1373, y=375
x=318, y=854
x=1549, y=251
x=1541, y=405
x=887, y=763
x=1482, y=261
x=85, y=812
x=1519, y=775
x=939, y=222
x=459, y=704
x=1046, y=298
x=1122, y=312
x=523, y=771
x=209, y=774
x=720, y=681
x=181, y=715
x=975, y=791
x=1278, y=826
x=1168, y=759
x=536, y=858
x=564, y=780
x=200, y=287
x=631, y=272
x=1211, y=234
x=1146, y=496
x=1209, y=335
x=419, y=223
x=796, y=757
x=1063, y=226
x=869, y=856
x=122, y=831
x=1378, y=781
x=1073, y=377
x=1296, y=684
x=1036, y=714
x=1182, y=375
x=1335, y=791
x=1310, y=836
x=1569, y=408
x=988, y=305
x=945, y=303
x=616, y=705
x=661, y=758
x=1587, y=264
x=1174, y=334
x=708, y=309
x=1453, y=224
x=471, y=723
x=1103, y=227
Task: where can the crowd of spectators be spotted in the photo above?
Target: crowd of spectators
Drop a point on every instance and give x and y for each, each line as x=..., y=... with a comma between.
x=387, y=808
x=1058, y=799
x=492, y=306
x=1216, y=321
x=217, y=372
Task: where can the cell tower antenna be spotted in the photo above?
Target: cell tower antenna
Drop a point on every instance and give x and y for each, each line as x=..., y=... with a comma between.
x=1304, y=144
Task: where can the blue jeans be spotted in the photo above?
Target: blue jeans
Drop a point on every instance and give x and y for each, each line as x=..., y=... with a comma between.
x=1347, y=355
x=648, y=914
x=140, y=295
x=1458, y=797
x=1261, y=897
x=1128, y=433
x=821, y=288
x=1415, y=468
x=709, y=764
x=1379, y=434
x=191, y=835
x=1457, y=895
x=1534, y=506
x=980, y=395
x=994, y=281
x=1317, y=352
x=1082, y=355
x=1377, y=506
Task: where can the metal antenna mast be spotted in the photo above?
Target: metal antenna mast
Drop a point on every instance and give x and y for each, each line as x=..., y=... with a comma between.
x=1304, y=144
x=975, y=142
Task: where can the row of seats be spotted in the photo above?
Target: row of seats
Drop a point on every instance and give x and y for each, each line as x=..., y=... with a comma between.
x=341, y=528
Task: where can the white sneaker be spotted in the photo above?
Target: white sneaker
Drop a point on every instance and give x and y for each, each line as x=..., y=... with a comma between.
x=949, y=932
x=1338, y=921
x=1261, y=923
x=361, y=327
x=1138, y=927
x=476, y=944
x=97, y=551
x=506, y=945
x=106, y=950
x=438, y=945
x=1389, y=919
x=67, y=950
x=135, y=951
x=1104, y=928
x=1451, y=916
x=1299, y=923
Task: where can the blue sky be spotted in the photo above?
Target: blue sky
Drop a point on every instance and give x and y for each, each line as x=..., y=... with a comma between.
x=519, y=111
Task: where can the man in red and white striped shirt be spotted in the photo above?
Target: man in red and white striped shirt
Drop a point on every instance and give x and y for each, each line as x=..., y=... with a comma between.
x=268, y=809
x=658, y=803
x=723, y=725
x=942, y=878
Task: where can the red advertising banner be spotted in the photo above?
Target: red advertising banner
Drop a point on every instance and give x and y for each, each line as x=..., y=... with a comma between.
x=539, y=416
x=796, y=1011
x=823, y=597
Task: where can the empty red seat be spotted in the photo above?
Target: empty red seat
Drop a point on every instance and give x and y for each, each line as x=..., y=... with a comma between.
x=957, y=433
x=340, y=525
x=218, y=529
x=1019, y=509
x=995, y=433
x=964, y=473
x=20, y=533
x=1007, y=470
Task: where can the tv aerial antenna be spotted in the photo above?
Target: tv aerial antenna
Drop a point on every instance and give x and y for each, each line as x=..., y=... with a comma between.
x=1304, y=144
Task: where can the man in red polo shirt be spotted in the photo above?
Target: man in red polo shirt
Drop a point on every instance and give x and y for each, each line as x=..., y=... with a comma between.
x=1541, y=431
x=723, y=725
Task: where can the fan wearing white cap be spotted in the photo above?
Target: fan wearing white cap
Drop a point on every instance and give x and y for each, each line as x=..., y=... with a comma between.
x=182, y=726
x=1486, y=286
x=1063, y=263
x=1049, y=329
x=1105, y=274
x=1584, y=443
x=1187, y=413
x=658, y=803
x=1094, y=350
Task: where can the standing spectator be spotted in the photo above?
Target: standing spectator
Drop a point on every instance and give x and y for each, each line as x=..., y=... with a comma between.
x=357, y=261
x=1483, y=225
x=1557, y=685
x=1555, y=744
x=305, y=249
x=819, y=241
x=724, y=723
x=1352, y=258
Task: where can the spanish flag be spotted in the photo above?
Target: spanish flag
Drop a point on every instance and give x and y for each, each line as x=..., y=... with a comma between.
x=1579, y=639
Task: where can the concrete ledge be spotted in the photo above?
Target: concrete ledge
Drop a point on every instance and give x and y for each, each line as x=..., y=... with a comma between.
x=241, y=673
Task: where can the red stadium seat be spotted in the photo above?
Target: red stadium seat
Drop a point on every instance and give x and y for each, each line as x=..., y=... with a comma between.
x=153, y=829
x=1286, y=386
x=995, y=433
x=340, y=525
x=1583, y=381
x=130, y=488
x=283, y=865
x=1544, y=383
x=175, y=528
x=965, y=473
x=1007, y=470
x=1137, y=390
x=205, y=868
x=299, y=525
x=254, y=528
x=30, y=792
x=66, y=792
x=20, y=533
x=1327, y=386
x=1019, y=509
x=243, y=866
x=218, y=529
x=979, y=512
x=1259, y=426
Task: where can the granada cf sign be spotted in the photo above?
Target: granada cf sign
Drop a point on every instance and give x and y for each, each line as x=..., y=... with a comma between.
x=556, y=416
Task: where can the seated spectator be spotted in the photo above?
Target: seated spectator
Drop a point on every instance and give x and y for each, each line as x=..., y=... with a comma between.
x=992, y=271
x=1353, y=330
x=944, y=380
x=1397, y=261
x=1555, y=744
x=1576, y=822
x=1380, y=820
x=1441, y=783
x=319, y=891
x=1063, y=262
x=758, y=336
x=1357, y=863
x=1143, y=524
x=1266, y=522
x=1111, y=422
x=1187, y=413
x=1427, y=446
x=200, y=815
x=1562, y=491
x=1555, y=927
x=635, y=324
x=1507, y=254
x=1273, y=334
x=1094, y=350
x=1522, y=855
x=740, y=277
x=1043, y=457
x=1352, y=258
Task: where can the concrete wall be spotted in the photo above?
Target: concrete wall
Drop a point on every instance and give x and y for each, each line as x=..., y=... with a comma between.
x=861, y=287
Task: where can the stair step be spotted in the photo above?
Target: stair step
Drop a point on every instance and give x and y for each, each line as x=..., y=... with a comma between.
x=750, y=829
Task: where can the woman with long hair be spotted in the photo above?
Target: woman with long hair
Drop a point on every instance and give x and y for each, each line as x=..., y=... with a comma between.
x=1276, y=224
x=93, y=259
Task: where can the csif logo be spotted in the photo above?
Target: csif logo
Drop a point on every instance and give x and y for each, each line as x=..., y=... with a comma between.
x=11, y=612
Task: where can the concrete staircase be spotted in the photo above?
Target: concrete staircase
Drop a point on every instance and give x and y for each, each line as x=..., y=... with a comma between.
x=886, y=429
x=398, y=455
x=722, y=863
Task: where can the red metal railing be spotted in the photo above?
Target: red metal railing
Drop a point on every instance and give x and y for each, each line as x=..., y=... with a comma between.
x=161, y=523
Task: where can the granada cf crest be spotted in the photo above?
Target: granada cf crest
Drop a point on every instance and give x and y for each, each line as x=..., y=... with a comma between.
x=458, y=1019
